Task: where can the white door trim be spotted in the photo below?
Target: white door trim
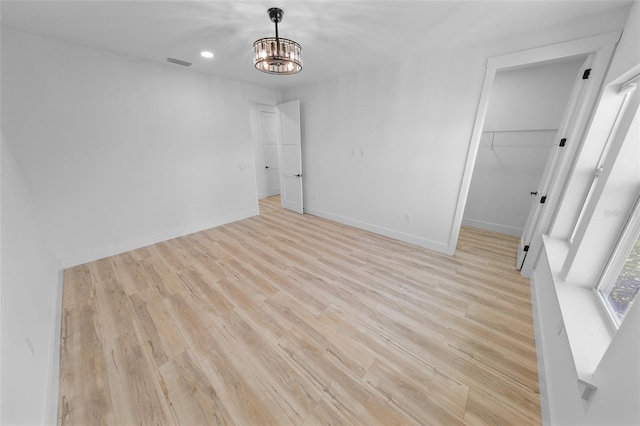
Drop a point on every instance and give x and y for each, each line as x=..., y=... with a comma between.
x=601, y=46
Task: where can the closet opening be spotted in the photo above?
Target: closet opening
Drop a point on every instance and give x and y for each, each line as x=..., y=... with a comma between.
x=526, y=108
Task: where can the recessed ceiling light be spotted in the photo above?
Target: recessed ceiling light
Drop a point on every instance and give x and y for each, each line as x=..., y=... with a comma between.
x=206, y=54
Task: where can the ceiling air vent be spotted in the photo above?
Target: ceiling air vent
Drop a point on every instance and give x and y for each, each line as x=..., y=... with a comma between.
x=179, y=62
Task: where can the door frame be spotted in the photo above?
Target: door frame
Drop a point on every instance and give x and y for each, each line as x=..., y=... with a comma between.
x=601, y=46
x=261, y=109
x=251, y=101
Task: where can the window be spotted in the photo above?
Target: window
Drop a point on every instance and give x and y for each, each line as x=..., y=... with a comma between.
x=620, y=283
x=602, y=190
x=593, y=247
x=617, y=106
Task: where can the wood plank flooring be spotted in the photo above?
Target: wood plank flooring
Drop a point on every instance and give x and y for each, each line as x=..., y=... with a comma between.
x=285, y=319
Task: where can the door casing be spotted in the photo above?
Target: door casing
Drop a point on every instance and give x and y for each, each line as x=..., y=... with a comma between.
x=601, y=49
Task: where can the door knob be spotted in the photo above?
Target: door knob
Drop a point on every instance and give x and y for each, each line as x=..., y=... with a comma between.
x=266, y=167
x=299, y=175
x=534, y=193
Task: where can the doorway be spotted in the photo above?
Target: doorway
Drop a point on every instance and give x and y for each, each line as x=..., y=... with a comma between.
x=526, y=106
x=277, y=152
x=568, y=140
x=266, y=159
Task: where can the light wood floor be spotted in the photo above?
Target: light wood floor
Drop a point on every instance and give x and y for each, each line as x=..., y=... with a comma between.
x=288, y=319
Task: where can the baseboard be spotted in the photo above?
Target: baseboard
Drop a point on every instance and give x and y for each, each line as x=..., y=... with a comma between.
x=495, y=227
x=136, y=243
x=391, y=233
x=51, y=409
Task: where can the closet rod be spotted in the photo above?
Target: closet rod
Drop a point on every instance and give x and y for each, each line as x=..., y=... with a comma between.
x=514, y=146
x=520, y=131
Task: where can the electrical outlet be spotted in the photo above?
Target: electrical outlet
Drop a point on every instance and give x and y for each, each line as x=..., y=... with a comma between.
x=362, y=152
x=408, y=217
x=29, y=345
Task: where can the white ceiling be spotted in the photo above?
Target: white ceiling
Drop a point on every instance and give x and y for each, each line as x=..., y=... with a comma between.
x=336, y=36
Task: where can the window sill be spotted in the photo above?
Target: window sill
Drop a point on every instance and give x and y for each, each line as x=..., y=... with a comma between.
x=583, y=319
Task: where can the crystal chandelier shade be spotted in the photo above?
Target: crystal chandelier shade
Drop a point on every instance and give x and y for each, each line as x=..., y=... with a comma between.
x=276, y=55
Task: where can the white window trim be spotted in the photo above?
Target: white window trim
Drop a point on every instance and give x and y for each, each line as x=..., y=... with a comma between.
x=584, y=317
x=616, y=136
x=625, y=244
x=625, y=90
x=627, y=239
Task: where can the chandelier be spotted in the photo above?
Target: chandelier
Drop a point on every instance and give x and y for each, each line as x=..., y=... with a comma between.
x=276, y=55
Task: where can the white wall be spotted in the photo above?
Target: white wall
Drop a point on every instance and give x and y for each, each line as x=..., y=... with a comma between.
x=102, y=153
x=509, y=164
x=615, y=402
x=414, y=121
x=533, y=97
x=119, y=152
x=29, y=285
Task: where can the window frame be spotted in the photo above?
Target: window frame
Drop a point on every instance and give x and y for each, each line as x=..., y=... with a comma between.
x=576, y=267
x=625, y=92
x=622, y=96
x=609, y=263
x=626, y=241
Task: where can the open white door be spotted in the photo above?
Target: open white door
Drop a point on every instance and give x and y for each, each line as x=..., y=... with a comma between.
x=538, y=203
x=551, y=169
x=290, y=152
